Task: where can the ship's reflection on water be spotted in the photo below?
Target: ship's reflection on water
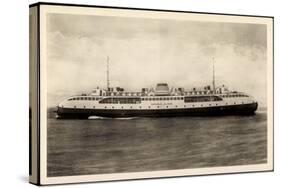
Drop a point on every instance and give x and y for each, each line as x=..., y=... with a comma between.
x=105, y=145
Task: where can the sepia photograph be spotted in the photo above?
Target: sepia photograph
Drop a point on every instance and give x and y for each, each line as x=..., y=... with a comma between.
x=135, y=91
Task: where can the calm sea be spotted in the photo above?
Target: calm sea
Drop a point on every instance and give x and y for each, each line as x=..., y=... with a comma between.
x=96, y=146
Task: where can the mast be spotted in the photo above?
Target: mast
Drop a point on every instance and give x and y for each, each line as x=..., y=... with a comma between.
x=107, y=74
x=214, y=84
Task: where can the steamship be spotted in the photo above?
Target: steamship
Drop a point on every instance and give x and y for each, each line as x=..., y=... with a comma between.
x=161, y=101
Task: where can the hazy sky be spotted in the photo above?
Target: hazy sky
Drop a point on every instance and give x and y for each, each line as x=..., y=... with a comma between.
x=144, y=52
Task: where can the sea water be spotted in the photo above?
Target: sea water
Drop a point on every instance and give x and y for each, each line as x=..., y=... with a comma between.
x=105, y=145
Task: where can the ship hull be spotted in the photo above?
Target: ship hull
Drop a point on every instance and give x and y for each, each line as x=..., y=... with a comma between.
x=77, y=113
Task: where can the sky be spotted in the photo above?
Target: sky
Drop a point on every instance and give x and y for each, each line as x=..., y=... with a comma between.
x=143, y=52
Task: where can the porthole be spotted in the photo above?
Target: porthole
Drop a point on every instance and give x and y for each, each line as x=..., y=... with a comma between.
x=112, y=107
x=157, y=106
x=122, y=107
x=105, y=107
x=201, y=104
x=84, y=106
x=93, y=106
x=167, y=106
x=74, y=106
x=131, y=107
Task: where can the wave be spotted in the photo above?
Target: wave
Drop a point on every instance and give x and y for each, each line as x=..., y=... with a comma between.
x=120, y=118
x=261, y=112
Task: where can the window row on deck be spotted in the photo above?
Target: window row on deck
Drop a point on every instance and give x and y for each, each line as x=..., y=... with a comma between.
x=161, y=98
x=126, y=100
x=138, y=100
x=85, y=98
x=202, y=99
x=120, y=100
x=234, y=95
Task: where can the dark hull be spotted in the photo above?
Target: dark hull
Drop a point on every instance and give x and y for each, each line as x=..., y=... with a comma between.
x=74, y=113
